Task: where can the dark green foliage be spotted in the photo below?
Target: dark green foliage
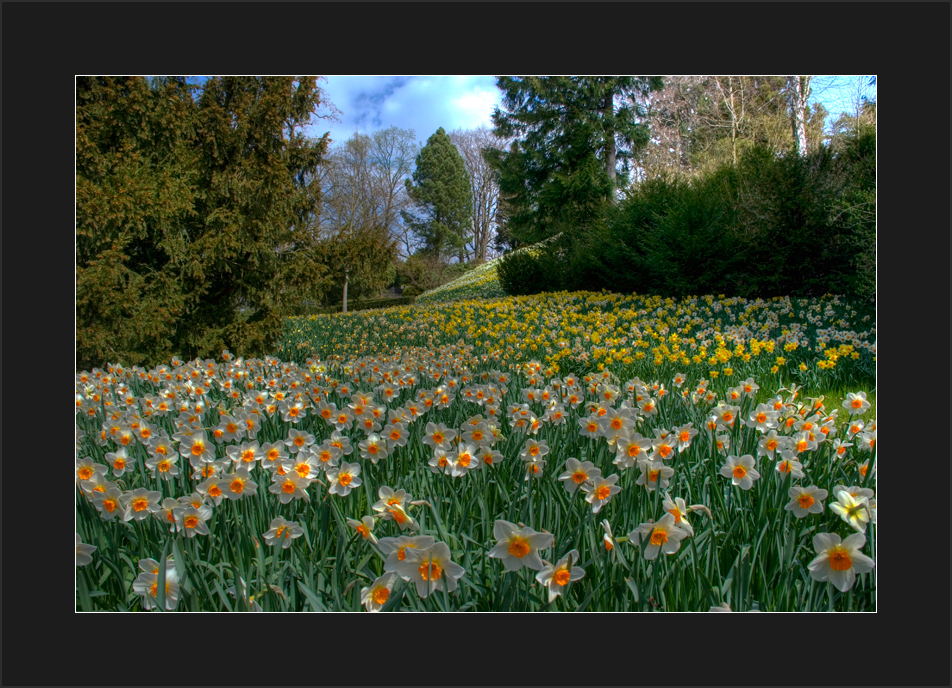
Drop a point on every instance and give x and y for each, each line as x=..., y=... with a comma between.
x=194, y=215
x=521, y=273
x=562, y=173
x=443, y=198
x=771, y=226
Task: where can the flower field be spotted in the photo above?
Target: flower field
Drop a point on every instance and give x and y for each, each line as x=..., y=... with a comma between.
x=480, y=283
x=591, y=452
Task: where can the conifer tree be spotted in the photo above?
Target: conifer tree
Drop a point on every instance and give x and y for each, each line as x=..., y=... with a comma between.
x=443, y=199
x=573, y=133
x=194, y=215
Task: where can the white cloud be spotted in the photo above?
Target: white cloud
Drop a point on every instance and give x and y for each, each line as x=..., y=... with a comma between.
x=422, y=103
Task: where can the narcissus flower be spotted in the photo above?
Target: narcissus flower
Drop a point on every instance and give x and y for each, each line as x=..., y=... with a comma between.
x=246, y=455
x=600, y=491
x=289, y=486
x=839, y=561
x=770, y=443
x=238, y=484
x=430, y=569
x=662, y=536
x=395, y=548
x=344, y=479
x=365, y=527
x=853, y=510
x=83, y=552
x=763, y=418
x=518, y=547
x=163, y=467
x=806, y=500
x=197, y=447
x=607, y=538
x=463, y=460
x=374, y=597
x=191, y=521
x=679, y=509
x=654, y=474
x=140, y=503
x=85, y=469
x=684, y=436
x=120, y=461
x=147, y=584
x=629, y=450
x=856, y=403
x=534, y=450
x=108, y=503
x=577, y=473
x=395, y=434
x=740, y=469
x=789, y=465
x=488, y=456
x=555, y=578
x=438, y=435
x=298, y=440
x=590, y=426
x=665, y=447
x=282, y=532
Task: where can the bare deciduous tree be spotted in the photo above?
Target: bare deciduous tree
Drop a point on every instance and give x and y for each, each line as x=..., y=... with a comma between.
x=471, y=144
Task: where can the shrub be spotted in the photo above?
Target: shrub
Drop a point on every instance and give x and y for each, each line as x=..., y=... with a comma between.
x=521, y=273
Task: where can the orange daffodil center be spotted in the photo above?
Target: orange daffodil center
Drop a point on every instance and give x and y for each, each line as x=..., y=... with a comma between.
x=840, y=559
x=519, y=547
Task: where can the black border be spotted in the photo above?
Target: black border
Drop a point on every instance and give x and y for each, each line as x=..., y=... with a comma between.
x=46, y=45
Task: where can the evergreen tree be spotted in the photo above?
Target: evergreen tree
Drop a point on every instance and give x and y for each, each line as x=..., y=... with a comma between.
x=573, y=133
x=443, y=199
x=194, y=215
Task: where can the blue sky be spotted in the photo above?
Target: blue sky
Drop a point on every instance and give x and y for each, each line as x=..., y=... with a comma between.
x=421, y=103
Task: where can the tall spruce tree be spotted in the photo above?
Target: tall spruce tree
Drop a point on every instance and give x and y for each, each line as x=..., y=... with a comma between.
x=573, y=133
x=443, y=199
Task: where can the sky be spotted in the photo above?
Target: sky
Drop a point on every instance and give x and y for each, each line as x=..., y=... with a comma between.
x=421, y=103
x=426, y=103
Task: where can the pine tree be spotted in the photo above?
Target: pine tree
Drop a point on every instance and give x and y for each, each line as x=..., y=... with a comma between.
x=443, y=199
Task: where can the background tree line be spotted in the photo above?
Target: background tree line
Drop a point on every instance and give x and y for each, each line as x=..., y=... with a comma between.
x=205, y=217
x=729, y=185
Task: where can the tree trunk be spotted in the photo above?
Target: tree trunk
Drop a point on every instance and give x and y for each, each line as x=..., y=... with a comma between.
x=608, y=117
x=799, y=89
x=346, y=281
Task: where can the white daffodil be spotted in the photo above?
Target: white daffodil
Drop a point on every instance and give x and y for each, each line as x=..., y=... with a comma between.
x=662, y=536
x=853, y=510
x=740, y=469
x=555, y=578
x=806, y=500
x=839, y=561
x=518, y=547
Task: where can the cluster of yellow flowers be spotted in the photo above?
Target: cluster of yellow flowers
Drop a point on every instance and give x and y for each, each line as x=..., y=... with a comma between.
x=571, y=331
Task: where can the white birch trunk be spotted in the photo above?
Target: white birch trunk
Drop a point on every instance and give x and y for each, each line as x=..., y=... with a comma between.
x=799, y=89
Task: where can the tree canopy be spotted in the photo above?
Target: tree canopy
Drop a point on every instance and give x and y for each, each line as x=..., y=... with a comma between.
x=572, y=135
x=194, y=214
x=442, y=197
